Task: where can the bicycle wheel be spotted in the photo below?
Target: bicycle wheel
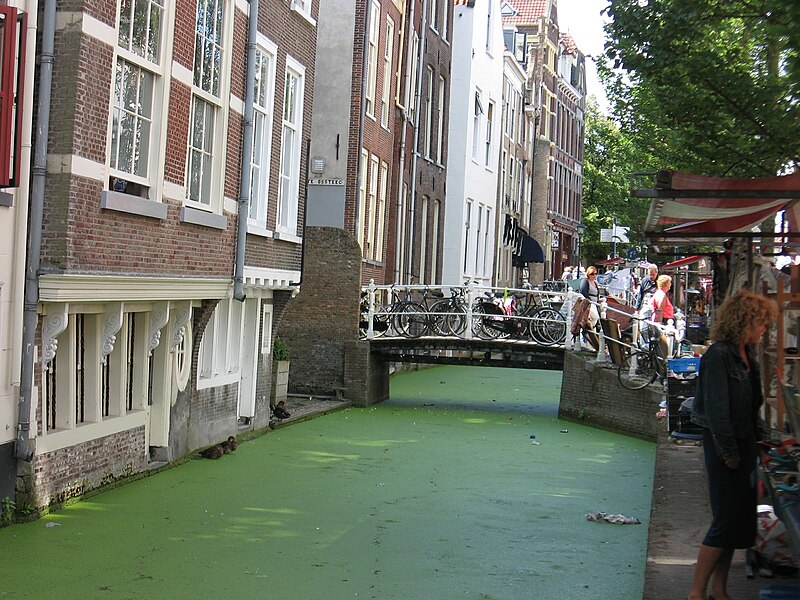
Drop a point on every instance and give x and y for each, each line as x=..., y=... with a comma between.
x=438, y=318
x=644, y=374
x=547, y=326
x=453, y=320
x=411, y=320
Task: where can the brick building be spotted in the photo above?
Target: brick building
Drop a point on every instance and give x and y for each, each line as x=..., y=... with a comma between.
x=171, y=221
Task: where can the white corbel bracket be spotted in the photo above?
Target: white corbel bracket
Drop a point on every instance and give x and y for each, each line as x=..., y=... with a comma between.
x=54, y=324
x=182, y=313
x=158, y=318
x=112, y=323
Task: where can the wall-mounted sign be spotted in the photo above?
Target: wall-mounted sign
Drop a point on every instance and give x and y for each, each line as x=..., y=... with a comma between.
x=556, y=243
x=332, y=181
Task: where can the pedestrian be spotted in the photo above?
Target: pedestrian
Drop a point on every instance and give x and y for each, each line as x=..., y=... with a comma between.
x=661, y=305
x=591, y=291
x=648, y=286
x=726, y=406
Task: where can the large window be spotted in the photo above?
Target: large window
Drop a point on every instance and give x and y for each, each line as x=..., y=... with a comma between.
x=440, y=122
x=372, y=64
x=388, y=59
x=220, y=350
x=264, y=87
x=289, y=188
x=428, y=112
x=489, y=132
x=381, y=225
x=423, y=241
x=13, y=27
x=476, y=125
x=138, y=93
x=372, y=206
x=362, y=200
x=206, y=101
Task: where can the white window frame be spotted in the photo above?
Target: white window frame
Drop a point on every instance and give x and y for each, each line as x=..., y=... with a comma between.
x=476, y=124
x=372, y=191
x=423, y=241
x=372, y=58
x=263, y=120
x=208, y=93
x=289, y=165
x=433, y=22
x=428, y=112
x=489, y=134
x=411, y=82
x=220, y=350
x=362, y=201
x=388, y=61
x=149, y=178
x=266, y=329
x=381, y=225
x=440, y=121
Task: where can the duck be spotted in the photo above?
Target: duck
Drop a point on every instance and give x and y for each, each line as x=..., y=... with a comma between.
x=213, y=452
x=229, y=445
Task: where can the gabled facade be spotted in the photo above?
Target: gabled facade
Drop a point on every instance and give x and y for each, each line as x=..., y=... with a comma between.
x=556, y=92
x=474, y=139
x=172, y=232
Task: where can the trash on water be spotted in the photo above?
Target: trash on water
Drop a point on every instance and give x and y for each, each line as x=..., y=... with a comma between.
x=51, y=524
x=565, y=431
x=533, y=436
x=536, y=443
x=616, y=519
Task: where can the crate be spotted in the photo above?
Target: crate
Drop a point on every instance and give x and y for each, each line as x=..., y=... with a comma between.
x=683, y=365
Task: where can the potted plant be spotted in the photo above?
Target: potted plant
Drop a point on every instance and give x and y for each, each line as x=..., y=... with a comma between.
x=280, y=370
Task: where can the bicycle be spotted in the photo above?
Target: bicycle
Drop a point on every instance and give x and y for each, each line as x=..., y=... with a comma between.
x=640, y=368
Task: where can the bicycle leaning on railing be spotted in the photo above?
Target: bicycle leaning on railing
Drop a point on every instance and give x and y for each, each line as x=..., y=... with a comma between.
x=644, y=365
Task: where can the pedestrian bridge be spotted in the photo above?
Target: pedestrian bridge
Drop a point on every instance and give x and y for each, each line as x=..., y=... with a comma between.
x=467, y=325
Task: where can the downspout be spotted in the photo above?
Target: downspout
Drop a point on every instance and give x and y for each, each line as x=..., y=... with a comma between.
x=363, y=117
x=23, y=449
x=305, y=212
x=247, y=151
x=415, y=148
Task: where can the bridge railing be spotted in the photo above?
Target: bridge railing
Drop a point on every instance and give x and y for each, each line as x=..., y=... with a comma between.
x=471, y=310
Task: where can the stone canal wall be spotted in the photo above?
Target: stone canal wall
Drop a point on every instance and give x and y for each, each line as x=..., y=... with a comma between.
x=591, y=394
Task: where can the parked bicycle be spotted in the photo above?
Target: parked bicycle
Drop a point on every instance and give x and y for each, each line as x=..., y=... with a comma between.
x=640, y=368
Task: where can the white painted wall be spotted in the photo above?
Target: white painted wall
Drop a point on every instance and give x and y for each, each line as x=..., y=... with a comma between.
x=476, y=67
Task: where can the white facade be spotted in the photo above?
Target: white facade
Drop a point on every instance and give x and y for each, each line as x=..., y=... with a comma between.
x=476, y=96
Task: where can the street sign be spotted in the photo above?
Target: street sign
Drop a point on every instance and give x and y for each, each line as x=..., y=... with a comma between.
x=615, y=234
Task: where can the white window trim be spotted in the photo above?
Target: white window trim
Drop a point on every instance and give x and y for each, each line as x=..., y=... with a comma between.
x=221, y=123
x=161, y=94
x=373, y=42
x=258, y=225
x=216, y=365
x=294, y=66
x=303, y=9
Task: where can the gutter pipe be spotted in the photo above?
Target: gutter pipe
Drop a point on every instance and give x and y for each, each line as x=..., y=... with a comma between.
x=23, y=449
x=247, y=151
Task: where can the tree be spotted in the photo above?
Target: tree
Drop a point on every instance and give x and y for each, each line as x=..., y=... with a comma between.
x=707, y=85
x=610, y=157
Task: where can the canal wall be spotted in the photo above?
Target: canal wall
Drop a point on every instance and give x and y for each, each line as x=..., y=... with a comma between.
x=591, y=394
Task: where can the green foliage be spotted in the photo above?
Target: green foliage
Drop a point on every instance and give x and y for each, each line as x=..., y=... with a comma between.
x=7, y=510
x=280, y=349
x=610, y=157
x=707, y=86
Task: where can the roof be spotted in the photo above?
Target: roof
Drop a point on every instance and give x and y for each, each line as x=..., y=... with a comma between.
x=694, y=206
x=527, y=11
x=569, y=43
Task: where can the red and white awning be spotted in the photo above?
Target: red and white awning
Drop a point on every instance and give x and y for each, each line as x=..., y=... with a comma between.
x=716, y=214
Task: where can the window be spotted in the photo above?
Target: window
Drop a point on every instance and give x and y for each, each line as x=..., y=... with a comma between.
x=435, y=241
x=445, y=17
x=433, y=16
x=381, y=212
x=411, y=82
x=13, y=26
x=423, y=241
x=138, y=94
x=487, y=255
x=428, y=112
x=388, y=57
x=206, y=102
x=362, y=200
x=479, y=242
x=402, y=204
x=264, y=88
x=372, y=207
x=489, y=26
x=289, y=180
x=489, y=124
x=372, y=64
x=476, y=125
x=467, y=237
x=440, y=122
x=220, y=350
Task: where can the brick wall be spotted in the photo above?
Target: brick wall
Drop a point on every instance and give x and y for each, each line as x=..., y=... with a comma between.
x=591, y=394
x=324, y=315
x=71, y=472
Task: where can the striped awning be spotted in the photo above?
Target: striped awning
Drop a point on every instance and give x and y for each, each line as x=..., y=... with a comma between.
x=694, y=205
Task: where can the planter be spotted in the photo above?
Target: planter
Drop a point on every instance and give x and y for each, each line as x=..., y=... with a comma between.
x=280, y=381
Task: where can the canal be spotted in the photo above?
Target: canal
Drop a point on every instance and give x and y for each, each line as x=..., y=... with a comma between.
x=443, y=492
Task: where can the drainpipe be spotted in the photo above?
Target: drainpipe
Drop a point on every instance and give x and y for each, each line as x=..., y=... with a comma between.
x=415, y=148
x=363, y=116
x=247, y=152
x=23, y=448
x=305, y=213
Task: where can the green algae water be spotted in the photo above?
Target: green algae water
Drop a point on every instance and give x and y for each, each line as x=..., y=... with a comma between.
x=440, y=493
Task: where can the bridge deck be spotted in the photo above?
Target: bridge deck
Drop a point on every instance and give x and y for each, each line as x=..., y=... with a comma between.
x=474, y=352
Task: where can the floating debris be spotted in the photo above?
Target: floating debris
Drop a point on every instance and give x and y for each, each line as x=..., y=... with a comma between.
x=615, y=519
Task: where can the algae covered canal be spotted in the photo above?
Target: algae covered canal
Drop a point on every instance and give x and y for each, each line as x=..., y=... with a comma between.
x=440, y=493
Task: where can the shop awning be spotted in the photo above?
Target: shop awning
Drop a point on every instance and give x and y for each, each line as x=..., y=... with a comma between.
x=611, y=261
x=682, y=262
x=687, y=206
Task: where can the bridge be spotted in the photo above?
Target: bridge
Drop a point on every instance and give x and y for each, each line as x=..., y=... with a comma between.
x=469, y=325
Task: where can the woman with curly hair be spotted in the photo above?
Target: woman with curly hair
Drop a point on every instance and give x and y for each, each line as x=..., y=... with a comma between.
x=726, y=406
